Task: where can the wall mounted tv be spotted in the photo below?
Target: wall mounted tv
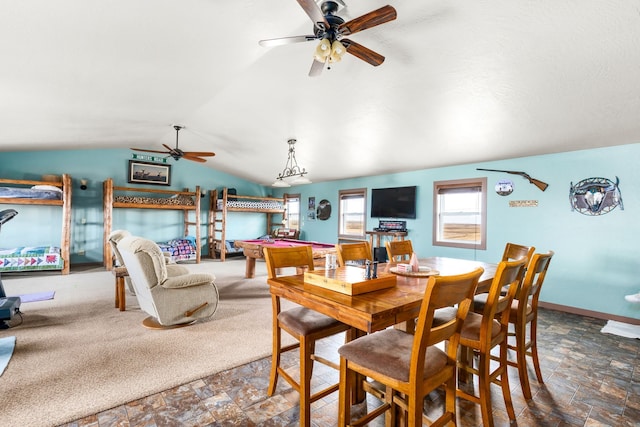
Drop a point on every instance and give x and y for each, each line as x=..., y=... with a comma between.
x=393, y=202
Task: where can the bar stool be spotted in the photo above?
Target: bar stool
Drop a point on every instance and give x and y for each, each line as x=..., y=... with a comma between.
x=524, y=311
x=306, y=325
x=482, y=332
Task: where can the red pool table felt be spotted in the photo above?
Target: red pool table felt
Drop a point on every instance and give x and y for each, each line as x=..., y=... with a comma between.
x=253, y=249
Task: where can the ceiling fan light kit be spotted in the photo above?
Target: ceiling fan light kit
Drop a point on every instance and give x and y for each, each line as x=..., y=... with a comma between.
x=292, y=174
x=330, y=29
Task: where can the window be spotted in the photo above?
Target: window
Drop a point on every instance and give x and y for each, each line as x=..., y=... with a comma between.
x=292, y=204
x=352, y=213
x=460, y=213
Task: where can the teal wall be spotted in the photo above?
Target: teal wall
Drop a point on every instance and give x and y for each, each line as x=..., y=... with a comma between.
x=32, y=225
x=595, y=265
x=596, y=261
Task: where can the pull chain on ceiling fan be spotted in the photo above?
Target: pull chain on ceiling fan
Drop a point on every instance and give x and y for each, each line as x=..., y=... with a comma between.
x=177, y=153
x=330, y=29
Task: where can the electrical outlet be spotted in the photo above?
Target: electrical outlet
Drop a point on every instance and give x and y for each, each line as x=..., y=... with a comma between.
x=83, y=221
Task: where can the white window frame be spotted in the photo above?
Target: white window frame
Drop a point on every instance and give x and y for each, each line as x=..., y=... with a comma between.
x=352, y=193
x=479, y=212
x=290, y=214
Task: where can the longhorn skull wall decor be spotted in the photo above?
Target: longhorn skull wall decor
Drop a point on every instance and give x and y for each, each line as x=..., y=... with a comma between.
x=595, y=196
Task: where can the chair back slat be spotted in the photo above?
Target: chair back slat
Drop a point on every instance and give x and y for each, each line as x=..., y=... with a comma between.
x=399, y=250
x=513, y=252
x=443, y=291
x=294, y=256
x=353, y=252
x=536, y=273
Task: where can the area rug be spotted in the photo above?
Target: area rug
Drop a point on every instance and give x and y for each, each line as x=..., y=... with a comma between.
x=7, y=345
x=38, y=296
x=621, y=329
x=78, y=355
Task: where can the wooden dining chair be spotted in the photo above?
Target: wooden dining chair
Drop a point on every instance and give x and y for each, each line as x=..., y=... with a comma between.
x=399, y=250
x=360, y=251
x=409, y=366
x=524, y=311
x=513, y=252
x=482, y=332
x=306, y=325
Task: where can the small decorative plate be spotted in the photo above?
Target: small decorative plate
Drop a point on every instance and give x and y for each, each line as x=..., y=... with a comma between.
x=424, y=272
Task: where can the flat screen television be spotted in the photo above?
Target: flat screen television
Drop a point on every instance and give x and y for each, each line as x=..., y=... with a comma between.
x=393, y=202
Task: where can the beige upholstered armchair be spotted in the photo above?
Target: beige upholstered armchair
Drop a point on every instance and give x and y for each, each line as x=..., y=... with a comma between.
x=173, y=269
x=170, y=301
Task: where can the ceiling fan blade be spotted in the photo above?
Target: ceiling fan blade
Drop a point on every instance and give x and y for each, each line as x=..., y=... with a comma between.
x=316, y=68
x=194, y=158
x=286, y=40
x=368, y=20
x=362, y=52
x=314, y=12
x=148, y=151
x=199, y=153
x=171, y=150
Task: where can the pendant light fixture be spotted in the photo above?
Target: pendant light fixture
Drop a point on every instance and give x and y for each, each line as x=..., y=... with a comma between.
x=292, y=174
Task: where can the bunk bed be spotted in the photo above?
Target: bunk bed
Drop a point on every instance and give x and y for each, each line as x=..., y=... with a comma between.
x=221, y=203
x=55, y=192
x=179, y=249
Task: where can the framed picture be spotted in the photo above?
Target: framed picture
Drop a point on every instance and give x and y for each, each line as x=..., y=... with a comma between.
x=149, y=173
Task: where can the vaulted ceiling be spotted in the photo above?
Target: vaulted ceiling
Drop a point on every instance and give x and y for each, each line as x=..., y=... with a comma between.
x=463, y=81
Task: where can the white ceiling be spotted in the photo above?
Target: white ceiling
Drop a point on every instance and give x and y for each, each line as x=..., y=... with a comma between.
x=463, y=81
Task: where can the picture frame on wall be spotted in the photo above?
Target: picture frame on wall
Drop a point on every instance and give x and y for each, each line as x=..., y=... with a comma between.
x=148, y=173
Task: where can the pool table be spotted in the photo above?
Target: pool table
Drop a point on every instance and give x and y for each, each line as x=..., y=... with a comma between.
x=252, y=249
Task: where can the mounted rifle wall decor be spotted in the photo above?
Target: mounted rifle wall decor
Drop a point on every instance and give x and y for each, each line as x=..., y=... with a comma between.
x=541, y=185
x=595, y=196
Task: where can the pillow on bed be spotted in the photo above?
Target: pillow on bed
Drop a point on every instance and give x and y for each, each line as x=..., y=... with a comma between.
x=46, y=187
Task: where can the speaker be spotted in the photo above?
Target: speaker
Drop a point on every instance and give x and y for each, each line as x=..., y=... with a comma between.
x=380, y=254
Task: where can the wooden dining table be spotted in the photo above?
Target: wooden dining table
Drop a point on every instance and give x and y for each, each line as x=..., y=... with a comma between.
x=397, y=306
x=376, y=310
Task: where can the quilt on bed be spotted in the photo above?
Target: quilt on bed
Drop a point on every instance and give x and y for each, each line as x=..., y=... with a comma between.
x=180, y=249
x=31, y=258
x=48, y=192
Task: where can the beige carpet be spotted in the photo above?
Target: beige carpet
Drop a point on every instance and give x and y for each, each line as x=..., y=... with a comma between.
x=77, y=355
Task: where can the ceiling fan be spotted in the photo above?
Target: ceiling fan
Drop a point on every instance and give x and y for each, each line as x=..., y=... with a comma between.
x=330, y=29
x=177, y=153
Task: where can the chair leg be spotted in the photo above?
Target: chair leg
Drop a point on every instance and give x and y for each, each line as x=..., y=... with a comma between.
x=504, y=379
x=345, y=393
x=306, y=371
x=450, y=399
x=534, y=349
x=521, y=356
x=275, y=359
x=414, y=411
x=484, y=388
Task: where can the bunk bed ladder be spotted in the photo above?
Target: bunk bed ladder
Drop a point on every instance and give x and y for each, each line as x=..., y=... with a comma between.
x=195, y=223
x=217, y=224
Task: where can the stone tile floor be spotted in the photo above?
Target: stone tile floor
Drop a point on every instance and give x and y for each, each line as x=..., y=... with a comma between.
x=591, y=379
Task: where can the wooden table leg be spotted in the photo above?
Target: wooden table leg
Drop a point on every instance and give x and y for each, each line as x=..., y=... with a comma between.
x=120, y=273
x=251, y=268
x=122, y=303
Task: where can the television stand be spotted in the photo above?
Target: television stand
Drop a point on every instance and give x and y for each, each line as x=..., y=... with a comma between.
x=379, y=251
